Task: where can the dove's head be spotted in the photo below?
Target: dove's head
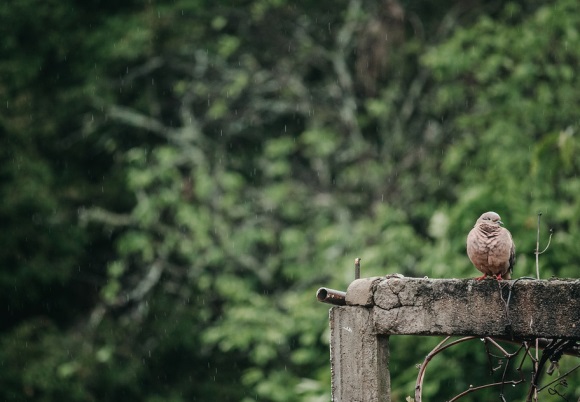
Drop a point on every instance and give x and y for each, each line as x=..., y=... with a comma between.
x=490, y=218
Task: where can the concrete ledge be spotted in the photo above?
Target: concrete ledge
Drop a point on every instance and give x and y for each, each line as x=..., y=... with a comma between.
x=519, y=309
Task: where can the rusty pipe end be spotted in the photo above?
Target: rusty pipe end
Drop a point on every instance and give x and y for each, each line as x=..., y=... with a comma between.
x=331, y=296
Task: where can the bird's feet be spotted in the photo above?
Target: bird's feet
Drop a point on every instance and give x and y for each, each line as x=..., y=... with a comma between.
x=498, y=277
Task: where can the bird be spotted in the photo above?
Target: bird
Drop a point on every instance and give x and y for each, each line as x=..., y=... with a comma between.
x=490, y=247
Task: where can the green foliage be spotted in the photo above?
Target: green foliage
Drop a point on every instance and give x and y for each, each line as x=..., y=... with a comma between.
x=515, y=119
x=174, y=199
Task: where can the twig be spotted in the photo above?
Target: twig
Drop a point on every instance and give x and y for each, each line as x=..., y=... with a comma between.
x=439, y=348
x=552, y=352
x=503, y=381
x=473, y=389
x=344, y=38
x=538, y=247
x=549, y=241
x=136, y=119
x=489, y=355
x=559, y=378
x=533, y=385
x=507, y=302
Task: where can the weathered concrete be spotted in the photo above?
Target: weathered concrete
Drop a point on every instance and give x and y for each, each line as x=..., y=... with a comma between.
x=379, y=307
x=536, y=308
x=358, y=357
x=360, y=292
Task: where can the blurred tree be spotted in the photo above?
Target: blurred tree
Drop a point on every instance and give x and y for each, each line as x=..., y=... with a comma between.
x=50, y=167
x=238, y=157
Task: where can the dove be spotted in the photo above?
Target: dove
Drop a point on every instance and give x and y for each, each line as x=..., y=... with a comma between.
x=490, y=247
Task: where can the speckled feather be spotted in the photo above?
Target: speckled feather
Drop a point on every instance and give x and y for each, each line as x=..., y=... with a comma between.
x=490, y=247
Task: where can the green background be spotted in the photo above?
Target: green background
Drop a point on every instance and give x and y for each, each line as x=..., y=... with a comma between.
x=177, y=178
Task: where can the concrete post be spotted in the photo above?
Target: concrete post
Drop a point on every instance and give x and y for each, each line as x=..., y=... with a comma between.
x=359, y=357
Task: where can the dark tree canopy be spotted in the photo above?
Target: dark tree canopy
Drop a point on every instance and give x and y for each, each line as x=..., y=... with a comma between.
x=177, y=179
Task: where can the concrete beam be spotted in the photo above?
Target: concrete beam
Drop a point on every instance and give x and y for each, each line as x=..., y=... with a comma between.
x=517, y=309
x=382, y=306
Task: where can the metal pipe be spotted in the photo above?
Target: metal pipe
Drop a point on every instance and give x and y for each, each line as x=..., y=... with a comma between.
x=331, y=296
x=357, y=268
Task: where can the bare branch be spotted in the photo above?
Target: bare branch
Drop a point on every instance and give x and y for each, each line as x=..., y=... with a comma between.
x=552, y=351
x=97, y=214
x=144, y=69
x=538, y=247
x=339, y=61
x=560, y=378
x=549, y=241
x=439, y=348
x=495, y=384
x=147, y=283
x=138, y=120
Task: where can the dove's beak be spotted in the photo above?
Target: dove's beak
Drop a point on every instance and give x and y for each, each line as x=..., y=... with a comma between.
x=500, y=222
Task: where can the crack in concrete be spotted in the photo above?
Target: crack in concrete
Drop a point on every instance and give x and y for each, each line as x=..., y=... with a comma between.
x=396, y=293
